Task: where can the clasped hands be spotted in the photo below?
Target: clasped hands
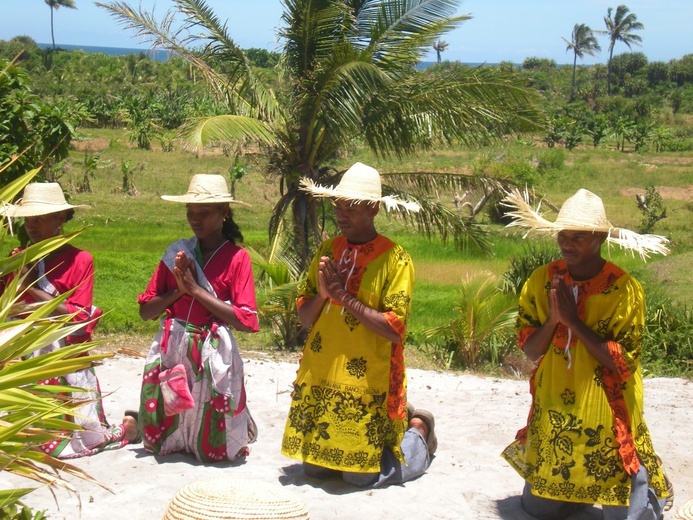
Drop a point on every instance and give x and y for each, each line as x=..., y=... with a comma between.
x=184, y=273
x=330, y=281
x=562, y=304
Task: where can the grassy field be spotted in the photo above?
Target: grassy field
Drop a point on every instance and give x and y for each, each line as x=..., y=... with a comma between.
x=127, y=234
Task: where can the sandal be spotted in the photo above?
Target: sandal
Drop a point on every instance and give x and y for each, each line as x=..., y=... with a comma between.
x=669, y=502
x=135, y=415
x=427, y=418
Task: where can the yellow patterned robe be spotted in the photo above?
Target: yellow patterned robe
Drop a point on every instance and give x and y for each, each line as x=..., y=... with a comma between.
x=586, y=428
x=349, y=399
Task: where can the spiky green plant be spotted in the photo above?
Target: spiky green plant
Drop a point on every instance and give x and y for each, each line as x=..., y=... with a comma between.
x=30, y=413
x=483, y=315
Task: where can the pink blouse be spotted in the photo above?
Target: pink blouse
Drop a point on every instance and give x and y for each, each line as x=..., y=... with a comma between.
x=230, y=273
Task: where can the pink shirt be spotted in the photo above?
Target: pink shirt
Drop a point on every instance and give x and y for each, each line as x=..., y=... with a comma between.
x=231, y=275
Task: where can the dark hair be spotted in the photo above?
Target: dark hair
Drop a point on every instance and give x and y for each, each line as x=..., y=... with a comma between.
x=69, y=214
x=230, y=230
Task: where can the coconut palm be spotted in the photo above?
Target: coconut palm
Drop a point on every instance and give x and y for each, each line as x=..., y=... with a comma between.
x=581, y=42
x=348, y=76
x=55, y=5
x=440, y=46
x=31, y=412
x=619, y=28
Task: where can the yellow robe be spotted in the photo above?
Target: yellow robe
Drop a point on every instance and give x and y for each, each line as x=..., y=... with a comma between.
x=586, y=429
x=349, y=398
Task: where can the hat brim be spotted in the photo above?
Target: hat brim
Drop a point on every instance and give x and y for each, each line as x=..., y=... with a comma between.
x=530, y=219
x=309, y=186
x=37, y=210
x=190, y=198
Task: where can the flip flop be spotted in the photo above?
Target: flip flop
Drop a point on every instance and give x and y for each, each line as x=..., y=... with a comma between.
x=431, y=440
x=669, y=503
x=135, y=415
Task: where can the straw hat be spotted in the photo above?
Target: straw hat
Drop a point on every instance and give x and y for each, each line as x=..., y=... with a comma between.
x=584, y=211
x=205, y=189
x=231, y=498
x=359, y=183
x=685, y=512
x=40, y=198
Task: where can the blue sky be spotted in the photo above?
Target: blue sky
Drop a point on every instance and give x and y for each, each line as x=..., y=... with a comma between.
x=500, y=30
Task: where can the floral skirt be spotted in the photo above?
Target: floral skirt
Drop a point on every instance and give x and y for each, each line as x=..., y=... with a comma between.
x=219, y=425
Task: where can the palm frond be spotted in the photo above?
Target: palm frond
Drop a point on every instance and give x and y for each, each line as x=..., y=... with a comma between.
x=227, y=129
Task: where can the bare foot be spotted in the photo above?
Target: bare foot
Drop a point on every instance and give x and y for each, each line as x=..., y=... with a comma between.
x=420, y=425
x=130, y=425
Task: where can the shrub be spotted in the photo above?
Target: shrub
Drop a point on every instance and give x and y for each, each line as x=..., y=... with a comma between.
x=668, y=341
x=534, y=255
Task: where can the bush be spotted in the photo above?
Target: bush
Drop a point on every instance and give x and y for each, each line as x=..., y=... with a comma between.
x=668, y=341
x=534, y=255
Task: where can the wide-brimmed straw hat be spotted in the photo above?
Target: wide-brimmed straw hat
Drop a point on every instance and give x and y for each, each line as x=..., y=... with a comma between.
x=685, y=511
x=40, y=198
x=584, y=211
x=360, y=183
x=234, y=499
x=205, y=188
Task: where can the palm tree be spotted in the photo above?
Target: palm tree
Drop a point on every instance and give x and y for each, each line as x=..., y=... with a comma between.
x=581, y=42
x=348, y=74
x=55, y=4
x=440, y=46
x=620, y=29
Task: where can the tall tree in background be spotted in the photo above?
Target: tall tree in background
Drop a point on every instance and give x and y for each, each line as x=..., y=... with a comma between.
x=348, y=75
x=619, y=28
x=581, y=42
x=440, y=46
x=54, y=5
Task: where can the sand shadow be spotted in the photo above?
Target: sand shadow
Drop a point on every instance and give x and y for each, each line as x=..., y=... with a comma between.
x=187, y=458
x=293, y=475
x=510, y=508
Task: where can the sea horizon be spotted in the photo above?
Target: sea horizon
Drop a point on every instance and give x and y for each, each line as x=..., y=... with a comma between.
x=162, y=55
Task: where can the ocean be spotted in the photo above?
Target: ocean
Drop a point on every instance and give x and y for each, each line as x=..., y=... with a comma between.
x=157, y=55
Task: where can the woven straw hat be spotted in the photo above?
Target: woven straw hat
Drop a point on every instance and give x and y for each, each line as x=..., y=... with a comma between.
x=205, y=189
x=360, y=183
x=685, y=512
x=233, y=499
x=584, y=211
x=40, y=198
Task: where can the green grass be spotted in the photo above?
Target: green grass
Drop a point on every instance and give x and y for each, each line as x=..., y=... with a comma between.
x=128, y=234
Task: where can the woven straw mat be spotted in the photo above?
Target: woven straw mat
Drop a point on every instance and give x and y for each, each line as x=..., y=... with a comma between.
x=234, y=500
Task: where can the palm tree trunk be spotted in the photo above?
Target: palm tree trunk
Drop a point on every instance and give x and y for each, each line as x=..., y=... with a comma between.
x=608, y=70
x=572, y=86
x=52, y=35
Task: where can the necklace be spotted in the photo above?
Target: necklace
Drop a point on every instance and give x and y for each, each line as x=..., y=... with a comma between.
x=206, y=258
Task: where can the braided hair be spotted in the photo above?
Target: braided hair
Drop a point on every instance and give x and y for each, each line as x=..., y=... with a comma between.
x=230, y=230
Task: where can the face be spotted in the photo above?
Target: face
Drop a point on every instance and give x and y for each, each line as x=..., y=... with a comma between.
x=43, y=227
x=580, y=248
x=206, y=220
x=355, y=220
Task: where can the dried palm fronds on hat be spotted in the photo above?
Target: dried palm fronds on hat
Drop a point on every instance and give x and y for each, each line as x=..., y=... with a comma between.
x=584, y=211
x=360, y=183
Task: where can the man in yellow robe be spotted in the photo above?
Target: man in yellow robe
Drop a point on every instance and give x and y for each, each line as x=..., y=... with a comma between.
x=583, y=318
x=349, y=413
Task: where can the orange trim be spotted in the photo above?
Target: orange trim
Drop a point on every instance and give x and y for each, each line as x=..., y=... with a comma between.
x=301, y=301
x=617, y=355
x=396, y=324
x=524, y=335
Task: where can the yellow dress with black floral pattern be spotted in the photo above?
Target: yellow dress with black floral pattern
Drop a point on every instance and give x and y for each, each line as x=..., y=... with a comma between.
x=586, y=434
x=349, y=399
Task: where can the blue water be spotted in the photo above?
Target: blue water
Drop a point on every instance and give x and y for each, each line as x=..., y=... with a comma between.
x=157, y=55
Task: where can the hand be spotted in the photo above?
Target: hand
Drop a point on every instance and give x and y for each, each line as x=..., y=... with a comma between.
x=330, y=283
x=562, y=306
x=184, y=273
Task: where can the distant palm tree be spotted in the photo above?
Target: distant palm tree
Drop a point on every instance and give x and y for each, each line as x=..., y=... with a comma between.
x=582, y=42
x=620, y=29
x=55, y=4
x=440, y=46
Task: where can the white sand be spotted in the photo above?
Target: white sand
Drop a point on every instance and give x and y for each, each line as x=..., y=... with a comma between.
x=476, y=417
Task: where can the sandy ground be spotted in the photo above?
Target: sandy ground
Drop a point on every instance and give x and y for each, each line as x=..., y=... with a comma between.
x=476, y=417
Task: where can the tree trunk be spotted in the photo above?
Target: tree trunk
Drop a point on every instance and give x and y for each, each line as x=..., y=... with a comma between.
x=52, y=35
x=572, y=86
